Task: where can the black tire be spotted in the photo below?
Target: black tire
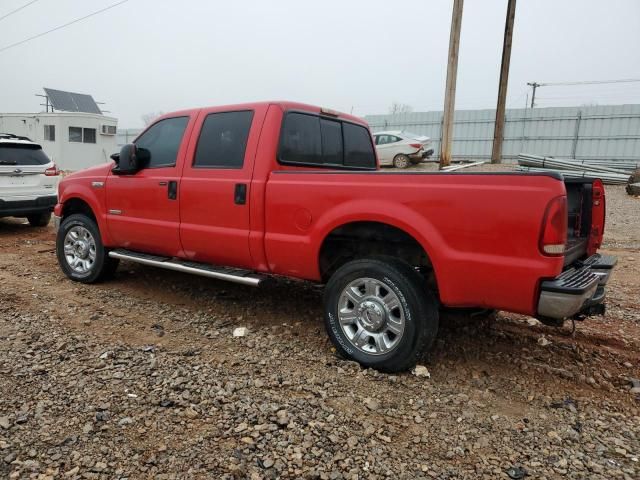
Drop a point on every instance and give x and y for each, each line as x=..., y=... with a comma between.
x=39, y=219
x=103, y=266
x=419, y=305
x=401, y=161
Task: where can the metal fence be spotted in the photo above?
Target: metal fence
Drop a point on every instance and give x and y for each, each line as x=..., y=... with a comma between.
x=599, y=132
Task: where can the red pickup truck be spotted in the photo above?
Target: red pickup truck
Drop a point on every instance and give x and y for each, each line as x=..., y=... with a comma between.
x=245, y=192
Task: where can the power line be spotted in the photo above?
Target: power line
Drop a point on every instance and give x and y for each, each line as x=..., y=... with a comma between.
x=62, y=26
x=589, y=82
x=535, y=85
x=18, y=9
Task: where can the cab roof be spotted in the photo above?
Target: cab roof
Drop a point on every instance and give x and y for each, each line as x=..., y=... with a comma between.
x=283, y=104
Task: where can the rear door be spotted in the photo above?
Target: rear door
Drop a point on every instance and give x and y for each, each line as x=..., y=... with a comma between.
x=216, y=184
x=143, y=212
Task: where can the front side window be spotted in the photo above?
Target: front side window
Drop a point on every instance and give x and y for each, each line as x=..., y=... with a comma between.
x=50, y=133
x=163, y=140
x=75, y=134
x=223, y=140
x=309, y=139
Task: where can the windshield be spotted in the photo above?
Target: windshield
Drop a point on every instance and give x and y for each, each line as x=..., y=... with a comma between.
x=15, y=154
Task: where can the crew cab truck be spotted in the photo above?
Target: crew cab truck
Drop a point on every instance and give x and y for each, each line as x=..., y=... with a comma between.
x=246, y=192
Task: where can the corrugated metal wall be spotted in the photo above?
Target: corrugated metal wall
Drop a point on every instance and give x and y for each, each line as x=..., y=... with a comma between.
x=601, y=132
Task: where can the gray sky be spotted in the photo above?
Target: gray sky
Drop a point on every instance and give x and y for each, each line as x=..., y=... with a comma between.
x=146, y=56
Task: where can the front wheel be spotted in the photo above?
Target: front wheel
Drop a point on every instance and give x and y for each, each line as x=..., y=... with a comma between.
x=80, y=252
x=379, y=313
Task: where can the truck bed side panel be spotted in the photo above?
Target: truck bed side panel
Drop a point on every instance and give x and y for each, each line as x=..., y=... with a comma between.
x=480, y=231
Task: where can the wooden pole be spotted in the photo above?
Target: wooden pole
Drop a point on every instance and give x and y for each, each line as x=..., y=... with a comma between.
x=498, y=131
x=450, y=92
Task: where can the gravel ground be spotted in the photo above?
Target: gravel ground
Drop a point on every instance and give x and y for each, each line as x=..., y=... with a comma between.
x=141, y=377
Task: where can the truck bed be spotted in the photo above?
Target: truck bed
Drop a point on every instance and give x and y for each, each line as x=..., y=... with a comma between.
x=480, y=230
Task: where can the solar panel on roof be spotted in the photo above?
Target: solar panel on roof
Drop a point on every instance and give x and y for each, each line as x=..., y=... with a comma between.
x=72, y=102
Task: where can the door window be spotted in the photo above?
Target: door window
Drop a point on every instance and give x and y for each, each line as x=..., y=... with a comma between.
x=223, y=140
x=163, y=140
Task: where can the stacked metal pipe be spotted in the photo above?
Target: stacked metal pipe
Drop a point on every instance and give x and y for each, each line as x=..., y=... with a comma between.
x=573, y=168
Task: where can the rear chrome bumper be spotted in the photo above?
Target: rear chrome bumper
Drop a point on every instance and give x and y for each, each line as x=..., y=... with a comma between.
x=577, y=290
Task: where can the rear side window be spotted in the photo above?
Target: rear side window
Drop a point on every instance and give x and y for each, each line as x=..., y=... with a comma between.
x=163, y=141
x=223, y=140
x=22, y=155
x=308, y=139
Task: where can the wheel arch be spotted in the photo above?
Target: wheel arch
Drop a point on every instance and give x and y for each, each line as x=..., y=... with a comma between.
x=77, y=205
x=79, y=202
x=362, y=238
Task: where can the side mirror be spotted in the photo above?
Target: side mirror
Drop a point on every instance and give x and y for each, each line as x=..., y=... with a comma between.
x=130, y=159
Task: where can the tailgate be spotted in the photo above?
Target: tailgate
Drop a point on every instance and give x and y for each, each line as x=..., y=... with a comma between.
x=585, y=207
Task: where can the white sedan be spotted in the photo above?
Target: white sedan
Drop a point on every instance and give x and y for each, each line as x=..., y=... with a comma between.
x=401, y=149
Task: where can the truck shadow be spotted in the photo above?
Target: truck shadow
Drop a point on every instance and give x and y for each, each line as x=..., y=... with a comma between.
x=502, y=339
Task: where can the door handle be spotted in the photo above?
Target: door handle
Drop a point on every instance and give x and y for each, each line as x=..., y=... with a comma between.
x=240, y=194
x=162, y=184
x=172, y=190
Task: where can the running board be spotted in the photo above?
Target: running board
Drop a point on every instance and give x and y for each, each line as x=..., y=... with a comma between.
x=237, y=275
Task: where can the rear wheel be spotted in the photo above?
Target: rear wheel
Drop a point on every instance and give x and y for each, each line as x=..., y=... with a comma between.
x=401, y=161
x=80, y=252
x=39, y=219
x=379, y=313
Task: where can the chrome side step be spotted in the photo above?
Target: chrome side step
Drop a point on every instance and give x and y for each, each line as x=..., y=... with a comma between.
x=236, y=275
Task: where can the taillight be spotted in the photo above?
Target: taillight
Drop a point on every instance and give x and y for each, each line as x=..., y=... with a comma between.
x=554, y=228
x=598, y=210
x=415, y=145
x=52, y=171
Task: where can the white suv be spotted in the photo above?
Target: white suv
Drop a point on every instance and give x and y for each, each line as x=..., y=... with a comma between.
x=28, y=180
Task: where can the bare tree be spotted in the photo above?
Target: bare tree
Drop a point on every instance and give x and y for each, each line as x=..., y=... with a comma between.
x=147, y=118
x=397, y=107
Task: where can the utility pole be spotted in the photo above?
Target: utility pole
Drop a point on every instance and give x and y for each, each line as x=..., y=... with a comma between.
x=533, y=95
x=498, y=131
x=450, y=92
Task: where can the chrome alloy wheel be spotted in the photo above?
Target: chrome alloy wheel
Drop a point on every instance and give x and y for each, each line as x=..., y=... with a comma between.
x=371, y=316
x=80, y=249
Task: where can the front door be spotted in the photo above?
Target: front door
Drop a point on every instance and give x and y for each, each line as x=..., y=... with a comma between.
x=143, y=209
x=216, y=185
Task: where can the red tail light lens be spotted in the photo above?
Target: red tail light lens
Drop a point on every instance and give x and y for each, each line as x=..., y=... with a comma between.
x=52, y=171
x=554, y=228
x=415, y=145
